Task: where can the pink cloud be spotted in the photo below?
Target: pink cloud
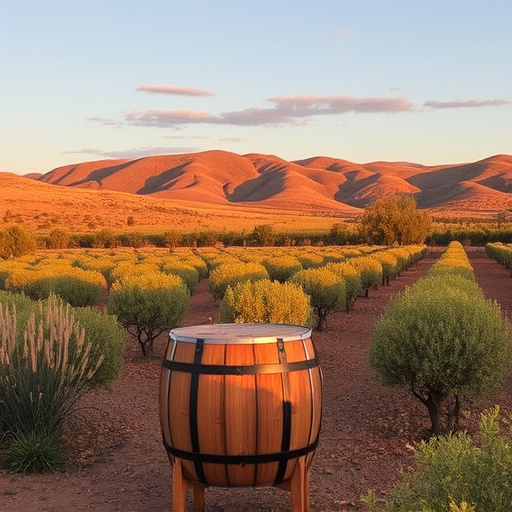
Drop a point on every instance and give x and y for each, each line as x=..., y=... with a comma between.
x=301, y=106
x=167, y=117
x=174, y=90
x=466, y=104
x=285, y=110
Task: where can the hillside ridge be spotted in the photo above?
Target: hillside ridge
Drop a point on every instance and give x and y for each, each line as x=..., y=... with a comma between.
x=318, y=183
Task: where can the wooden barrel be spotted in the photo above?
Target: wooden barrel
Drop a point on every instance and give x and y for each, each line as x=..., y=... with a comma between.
x=240, y=403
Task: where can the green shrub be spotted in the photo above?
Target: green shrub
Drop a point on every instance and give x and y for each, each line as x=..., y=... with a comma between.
x=24, y=307
x=103, y=331
x=149, y=305
x=442, y=340
x=500, y=252
x=107, y=338
x=266, y=301
x=42, y=376
x=326, y=289
x=73, y=290
x=452, y=470
x=35, y=452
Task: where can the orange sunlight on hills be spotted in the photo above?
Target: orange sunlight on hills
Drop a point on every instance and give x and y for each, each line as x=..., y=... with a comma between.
x=218, y=190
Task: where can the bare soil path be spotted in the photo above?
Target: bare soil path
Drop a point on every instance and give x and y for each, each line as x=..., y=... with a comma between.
x=118, y=463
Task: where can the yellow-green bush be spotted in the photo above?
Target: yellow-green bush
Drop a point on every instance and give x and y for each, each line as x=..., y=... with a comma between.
x=310, y=260
x=390, y=265
x=74, y=285
x=266, y=301
x=403, y=257
x=326, y=289
x=228, y=274
x=148, y=305
x=454, y=261
x=188, y=273
x=352, y=278
x=280, y=268
x=370, y=271
x=129, y=268
x=444, y=341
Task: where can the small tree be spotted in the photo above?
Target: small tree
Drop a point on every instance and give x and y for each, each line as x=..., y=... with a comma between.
x=389, y=264
x=149, y=305
x=326, y=289
x=394, y=220
x=370, y=271
x=340, y=234
x=172, y=239
x=264, y=235
x=443, y=341
x=16, y=241
x=352, y=278
x=58, y=239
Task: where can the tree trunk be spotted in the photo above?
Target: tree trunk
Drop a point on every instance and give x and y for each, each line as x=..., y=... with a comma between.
x=322, y=319
x=453, y=415
x=434, y=404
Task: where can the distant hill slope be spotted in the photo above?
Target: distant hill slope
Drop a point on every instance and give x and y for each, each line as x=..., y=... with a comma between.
x=317, y=184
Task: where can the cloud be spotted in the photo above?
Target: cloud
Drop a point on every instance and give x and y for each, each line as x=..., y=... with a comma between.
x=466, y=104
x=198, y=137
x=106, y=122
x=343, y=32
x=166, y=117
x=290, y=110
x=305, y=106
x=232, y=139
x=174, y=90
x=134, y=152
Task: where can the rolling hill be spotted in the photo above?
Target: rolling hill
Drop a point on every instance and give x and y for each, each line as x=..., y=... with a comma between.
x=255, y=187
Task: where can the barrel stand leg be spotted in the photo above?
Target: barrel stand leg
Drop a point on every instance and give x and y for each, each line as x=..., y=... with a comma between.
x=299, y=487
x=198, y=498
x=180, y=486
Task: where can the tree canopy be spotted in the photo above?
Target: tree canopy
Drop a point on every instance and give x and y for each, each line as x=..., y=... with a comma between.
x=394, y=220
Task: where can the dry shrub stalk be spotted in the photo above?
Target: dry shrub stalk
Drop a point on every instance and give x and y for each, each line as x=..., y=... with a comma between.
x=42, y=377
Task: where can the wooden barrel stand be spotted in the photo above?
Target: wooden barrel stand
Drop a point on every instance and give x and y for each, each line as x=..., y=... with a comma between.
x=240, y=406
x=297, y=486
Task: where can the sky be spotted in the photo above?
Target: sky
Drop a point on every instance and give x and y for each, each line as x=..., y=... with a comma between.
x=423, y=81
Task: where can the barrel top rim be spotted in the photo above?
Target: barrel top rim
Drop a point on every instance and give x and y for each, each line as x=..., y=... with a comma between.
x=240, y=333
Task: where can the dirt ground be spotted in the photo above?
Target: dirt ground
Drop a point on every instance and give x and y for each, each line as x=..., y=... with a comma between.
x=118, y=463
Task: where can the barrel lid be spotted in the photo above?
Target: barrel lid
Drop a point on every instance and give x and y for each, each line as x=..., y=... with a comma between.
x=240, y=333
